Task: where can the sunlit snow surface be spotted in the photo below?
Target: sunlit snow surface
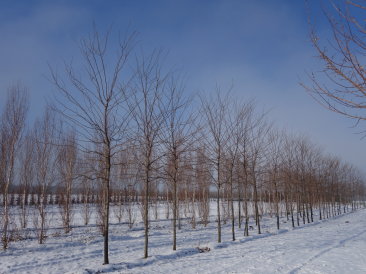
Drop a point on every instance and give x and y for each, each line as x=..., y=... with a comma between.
x=337, y=245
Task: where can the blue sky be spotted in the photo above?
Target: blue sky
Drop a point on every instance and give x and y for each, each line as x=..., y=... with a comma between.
x=261, y=47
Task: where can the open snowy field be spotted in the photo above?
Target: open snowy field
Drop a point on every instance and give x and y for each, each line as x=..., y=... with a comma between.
x=336, y=245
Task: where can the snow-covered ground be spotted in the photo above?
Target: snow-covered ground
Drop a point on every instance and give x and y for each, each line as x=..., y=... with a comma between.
x=336, y=245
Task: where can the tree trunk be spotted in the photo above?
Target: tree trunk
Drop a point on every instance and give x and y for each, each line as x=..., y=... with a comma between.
x=175, y=216
x=146, y=214
x=218, y=216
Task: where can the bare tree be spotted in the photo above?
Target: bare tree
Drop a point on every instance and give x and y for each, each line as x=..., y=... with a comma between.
x=12, y=126
x=214, y=111
x=288, y=175
x=237, y=123
x=119, y=187
x=303, y=156
x=86, y=170
x=275, y=148
x=202, y=177
x=125, y=186
x=247, y=123
x=341, y=85
x=27, y=174
x=257, y=148
x=67, y=166
x=146, y=106
x=129, y=173
x=95, y=107
x=177, y=140
x=45, y=160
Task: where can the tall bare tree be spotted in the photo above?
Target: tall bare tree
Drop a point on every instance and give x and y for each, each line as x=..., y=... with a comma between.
x=214, y=111
x=177, y=139
x=94, y=105
x=237, y=126
x=146, y=106
x=257, y=148
x=247, y=123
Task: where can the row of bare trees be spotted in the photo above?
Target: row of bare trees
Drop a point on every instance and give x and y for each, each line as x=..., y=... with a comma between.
x=11, y=131
x=126, y=130
x=33, y=161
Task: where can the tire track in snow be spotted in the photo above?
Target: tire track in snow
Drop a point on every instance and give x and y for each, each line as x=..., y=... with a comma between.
x=324, y=251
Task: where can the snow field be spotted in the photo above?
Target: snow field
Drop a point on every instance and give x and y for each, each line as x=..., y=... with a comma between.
x=335, y=245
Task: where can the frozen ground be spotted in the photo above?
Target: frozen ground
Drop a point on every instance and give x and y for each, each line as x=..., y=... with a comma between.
x=332, y=246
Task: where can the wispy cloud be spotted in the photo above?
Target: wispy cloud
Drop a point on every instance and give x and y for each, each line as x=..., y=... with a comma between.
x=261, y=47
